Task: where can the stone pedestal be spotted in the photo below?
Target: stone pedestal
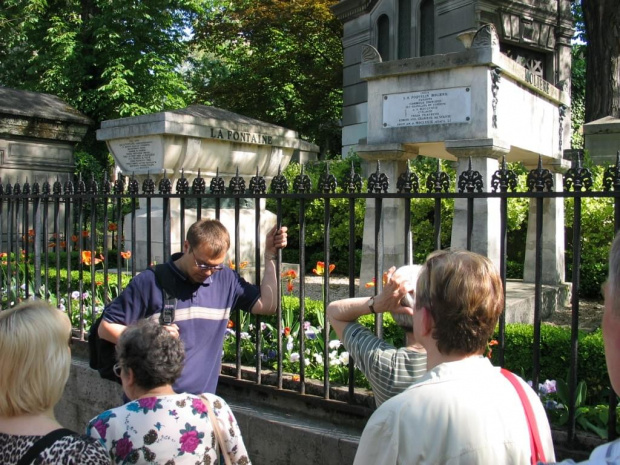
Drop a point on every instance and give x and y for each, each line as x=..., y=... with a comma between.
x=393, y=161
x=479, y=155
x=602, y=140
x=552, y=239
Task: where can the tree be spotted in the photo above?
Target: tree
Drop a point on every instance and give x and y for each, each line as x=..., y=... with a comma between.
x=108, y=59
x=274, y=60
x=602, y=26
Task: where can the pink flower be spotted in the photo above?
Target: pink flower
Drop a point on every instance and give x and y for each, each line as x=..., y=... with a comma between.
x=199, y=406
x=123, y=447
x=148, y=403
x=101, y=427
x=189, y=441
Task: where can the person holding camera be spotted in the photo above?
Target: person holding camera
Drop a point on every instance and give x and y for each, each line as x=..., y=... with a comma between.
x=389, y=370
x=206, y=291
x=158, y=425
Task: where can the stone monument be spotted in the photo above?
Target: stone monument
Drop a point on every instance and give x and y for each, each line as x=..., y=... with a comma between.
x=437, y=79
x=38, y=133
x=201, y=139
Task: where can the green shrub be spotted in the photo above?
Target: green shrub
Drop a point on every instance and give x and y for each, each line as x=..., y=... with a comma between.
x=555, y=356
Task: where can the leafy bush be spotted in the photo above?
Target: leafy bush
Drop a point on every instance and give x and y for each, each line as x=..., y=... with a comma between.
x=555, y=356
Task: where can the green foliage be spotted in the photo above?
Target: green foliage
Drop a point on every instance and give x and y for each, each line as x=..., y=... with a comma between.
x=597, y=233
x=277, y=61
x=314, y=212
x=107, y=59
x=555, y=356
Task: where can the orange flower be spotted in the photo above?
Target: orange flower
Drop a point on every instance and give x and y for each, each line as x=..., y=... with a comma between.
x=51, y=244
x=112, y=227
x=295, y=378
x=287, y=331
x=74, y=238
x=98, y=283
x=85, y=233
x=31, y=232
x=320, y=268
x=87, y=258
x=3, y=254
x=231, y=324
x=290, y=274
x=63, y=244
x=126, y=255
x=289, y=287
x=370, y=284
x=491, y=343
x=242, y=265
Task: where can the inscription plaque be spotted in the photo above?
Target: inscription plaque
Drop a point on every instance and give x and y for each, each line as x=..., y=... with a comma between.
x=139, y=155
x=438, y=106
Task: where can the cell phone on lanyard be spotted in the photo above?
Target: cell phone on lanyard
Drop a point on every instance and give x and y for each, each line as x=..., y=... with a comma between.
x=166, y=317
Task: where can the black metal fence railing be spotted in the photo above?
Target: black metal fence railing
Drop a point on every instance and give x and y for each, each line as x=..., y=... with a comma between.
x=44, y=228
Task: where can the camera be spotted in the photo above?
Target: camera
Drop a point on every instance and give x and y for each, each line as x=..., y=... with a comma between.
x=408, y=300
x=166, y=317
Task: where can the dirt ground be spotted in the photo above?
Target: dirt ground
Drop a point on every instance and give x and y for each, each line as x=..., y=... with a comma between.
x=590, y=314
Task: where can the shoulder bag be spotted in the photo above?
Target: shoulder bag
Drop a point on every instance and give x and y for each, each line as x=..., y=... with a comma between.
x=218, y=434
x=538, y=454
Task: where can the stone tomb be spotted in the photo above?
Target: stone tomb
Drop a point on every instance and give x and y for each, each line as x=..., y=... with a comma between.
x=38, y=133
x=474, y=103
x=201, y=138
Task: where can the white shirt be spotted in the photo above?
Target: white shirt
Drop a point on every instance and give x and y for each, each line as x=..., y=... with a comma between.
x=463, y=412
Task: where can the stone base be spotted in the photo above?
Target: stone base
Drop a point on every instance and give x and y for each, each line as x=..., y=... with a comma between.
x=520, y=300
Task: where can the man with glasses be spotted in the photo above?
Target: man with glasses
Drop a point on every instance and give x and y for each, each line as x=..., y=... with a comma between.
x=206, y=293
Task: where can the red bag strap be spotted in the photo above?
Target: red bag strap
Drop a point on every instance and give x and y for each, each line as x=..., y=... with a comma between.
x=538, y=454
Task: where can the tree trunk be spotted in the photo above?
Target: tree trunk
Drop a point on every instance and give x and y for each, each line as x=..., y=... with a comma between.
x=602, y=24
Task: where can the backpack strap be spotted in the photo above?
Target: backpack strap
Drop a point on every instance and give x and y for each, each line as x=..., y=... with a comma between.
x=165, y=279
x=538, y=454
x=43, y=443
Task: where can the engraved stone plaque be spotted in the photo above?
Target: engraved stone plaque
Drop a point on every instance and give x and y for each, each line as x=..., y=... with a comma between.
x=139, y=155
x=437, y=106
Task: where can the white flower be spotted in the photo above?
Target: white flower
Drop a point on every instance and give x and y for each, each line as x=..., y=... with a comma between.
x=245, y=335
x=289, y=346
x=334, y=344
x=318, y=358
x=75, y=295
x=335, y=362
x=23, y=287
x=333, y=355
x=251, y=327
x=62, y=307
x=62, y=301
x=294, y=357
x=344, y=358
x=307, y=351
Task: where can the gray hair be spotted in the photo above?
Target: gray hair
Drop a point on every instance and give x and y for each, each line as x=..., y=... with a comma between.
x=155, y=356
x=613, y=278
x=411, y=272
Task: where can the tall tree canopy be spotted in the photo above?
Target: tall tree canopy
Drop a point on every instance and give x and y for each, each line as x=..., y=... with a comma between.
x=602, y=26
x=108, y=59
x=276, y=60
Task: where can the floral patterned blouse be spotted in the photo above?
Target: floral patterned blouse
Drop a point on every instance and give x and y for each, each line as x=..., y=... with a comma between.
x=167, y=430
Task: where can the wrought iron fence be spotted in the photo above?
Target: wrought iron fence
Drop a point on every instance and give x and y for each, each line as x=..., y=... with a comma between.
x=41, y=224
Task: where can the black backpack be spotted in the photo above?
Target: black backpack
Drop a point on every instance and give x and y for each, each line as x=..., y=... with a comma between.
x=102, y=353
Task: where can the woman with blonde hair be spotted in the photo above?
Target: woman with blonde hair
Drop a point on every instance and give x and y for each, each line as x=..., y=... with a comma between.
x=34, y=361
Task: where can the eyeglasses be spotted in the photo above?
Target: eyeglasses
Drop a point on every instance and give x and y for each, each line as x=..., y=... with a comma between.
x=117, y=369
x=203, y=267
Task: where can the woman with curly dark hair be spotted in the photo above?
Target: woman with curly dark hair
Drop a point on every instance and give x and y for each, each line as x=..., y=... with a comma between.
x=159, y=425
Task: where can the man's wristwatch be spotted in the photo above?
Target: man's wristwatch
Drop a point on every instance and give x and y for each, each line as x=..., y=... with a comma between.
x=371, y=305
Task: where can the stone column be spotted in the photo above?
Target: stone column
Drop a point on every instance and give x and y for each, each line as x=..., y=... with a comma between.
x=484, y=155
x=393, y=162
x=552, y=234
